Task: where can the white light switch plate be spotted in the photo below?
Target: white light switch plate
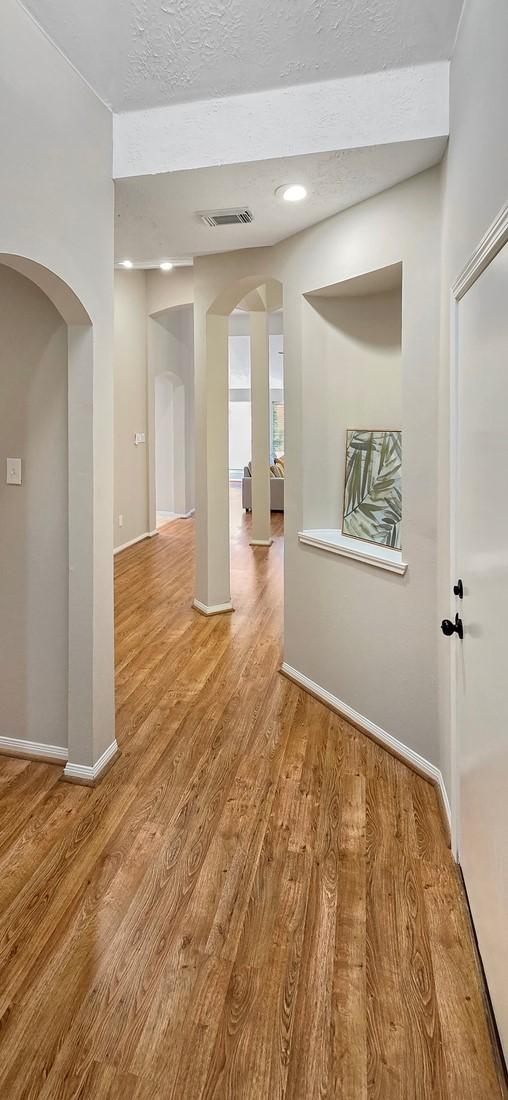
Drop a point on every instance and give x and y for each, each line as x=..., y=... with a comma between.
x=13, y=471
x=139, y=438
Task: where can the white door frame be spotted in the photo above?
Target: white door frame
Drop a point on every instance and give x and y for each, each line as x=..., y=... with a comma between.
x=491, y=243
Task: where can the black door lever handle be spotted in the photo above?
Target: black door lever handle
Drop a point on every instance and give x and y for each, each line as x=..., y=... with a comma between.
x=450, y=628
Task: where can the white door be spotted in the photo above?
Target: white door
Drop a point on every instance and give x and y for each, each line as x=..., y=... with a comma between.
x=482, y=656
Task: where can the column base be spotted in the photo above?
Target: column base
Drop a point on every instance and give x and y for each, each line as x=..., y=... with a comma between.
x=213, y=609
x=89, y=775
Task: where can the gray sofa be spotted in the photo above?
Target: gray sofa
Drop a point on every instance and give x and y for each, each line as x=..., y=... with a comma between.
x=276, y=492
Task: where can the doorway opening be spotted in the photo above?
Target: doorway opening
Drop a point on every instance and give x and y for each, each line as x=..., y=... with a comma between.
x=171, y=415
x=235, y=464
x=34, y=514
x=54, y=575
x=241, y=420
x=170, y=446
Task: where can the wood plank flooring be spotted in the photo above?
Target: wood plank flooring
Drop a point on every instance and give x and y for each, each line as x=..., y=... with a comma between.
x=256, y=903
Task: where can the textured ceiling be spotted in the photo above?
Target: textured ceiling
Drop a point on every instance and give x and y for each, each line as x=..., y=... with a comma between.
x=156, y=215
x=146, y=53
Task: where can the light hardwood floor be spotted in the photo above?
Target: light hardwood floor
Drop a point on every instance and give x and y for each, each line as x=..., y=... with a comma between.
x=256, y=903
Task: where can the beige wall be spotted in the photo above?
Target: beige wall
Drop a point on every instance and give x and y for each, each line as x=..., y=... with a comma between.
x=56, y=208
x=153, y=335
x=171, y=353
x=131, y=461
x=475, y=186
x=33, y=528
x=352, y=377
x=367, y=636
x=169, y=289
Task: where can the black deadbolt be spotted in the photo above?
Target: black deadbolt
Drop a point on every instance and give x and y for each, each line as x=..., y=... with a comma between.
x=458, y=589
x=450, y=628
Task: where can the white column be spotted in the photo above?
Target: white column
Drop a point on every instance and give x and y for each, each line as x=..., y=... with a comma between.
x=91, y=713
x=260, y=414
x=213, y=592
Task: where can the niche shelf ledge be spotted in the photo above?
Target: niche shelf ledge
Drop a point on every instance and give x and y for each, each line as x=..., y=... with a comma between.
x=336, y=543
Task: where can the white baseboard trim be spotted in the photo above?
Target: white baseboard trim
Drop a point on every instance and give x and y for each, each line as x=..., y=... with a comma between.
x=165, y=518
x=132, y=542
x=32, y=750
x=260, y=542
x=397, y=748
x=445, y=803
x=150, y=534
x=169, y=517
x=213, y=609
x=84, y=773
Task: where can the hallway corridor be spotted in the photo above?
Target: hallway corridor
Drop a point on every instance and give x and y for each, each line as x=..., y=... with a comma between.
x=256, y=903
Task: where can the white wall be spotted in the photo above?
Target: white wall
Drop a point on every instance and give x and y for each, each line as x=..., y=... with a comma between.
x=34, y=561
x=475, y=187
x=56, y=208
x=170, y=444
x=171, y=353
x=352, y=378
x=131, y=460
x=163, y=397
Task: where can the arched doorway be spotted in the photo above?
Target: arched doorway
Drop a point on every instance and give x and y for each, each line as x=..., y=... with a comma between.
x=59, y=563
x=171, y=414
x=170, y=447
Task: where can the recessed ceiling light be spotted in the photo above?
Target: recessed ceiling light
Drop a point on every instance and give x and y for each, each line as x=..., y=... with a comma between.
x=292, y=192
x=126, y=263
x=166, y=266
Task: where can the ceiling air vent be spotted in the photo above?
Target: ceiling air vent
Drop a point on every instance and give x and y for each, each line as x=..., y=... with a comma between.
x=213, y=218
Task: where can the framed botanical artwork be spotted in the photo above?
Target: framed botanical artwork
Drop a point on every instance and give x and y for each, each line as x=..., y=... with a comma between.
x=372, y=487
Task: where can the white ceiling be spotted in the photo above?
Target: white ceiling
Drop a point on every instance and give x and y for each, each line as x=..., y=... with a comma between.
x=156, y=215
x=146, y=53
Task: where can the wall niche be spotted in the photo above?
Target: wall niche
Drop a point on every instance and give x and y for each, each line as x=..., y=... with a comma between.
x=352, y=375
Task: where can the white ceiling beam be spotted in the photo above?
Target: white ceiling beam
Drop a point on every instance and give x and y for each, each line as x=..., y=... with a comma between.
x=379, y=108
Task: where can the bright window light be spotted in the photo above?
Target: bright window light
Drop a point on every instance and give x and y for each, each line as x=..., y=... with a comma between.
x=166, y=266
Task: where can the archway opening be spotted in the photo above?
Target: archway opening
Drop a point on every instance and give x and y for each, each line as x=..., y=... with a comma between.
x=233, y=370
x=56, y=671
x=34, y=557
x=170, y=447
x=171, y=415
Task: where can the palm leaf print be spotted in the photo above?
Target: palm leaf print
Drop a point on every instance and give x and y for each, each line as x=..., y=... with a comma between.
x=372, y=495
